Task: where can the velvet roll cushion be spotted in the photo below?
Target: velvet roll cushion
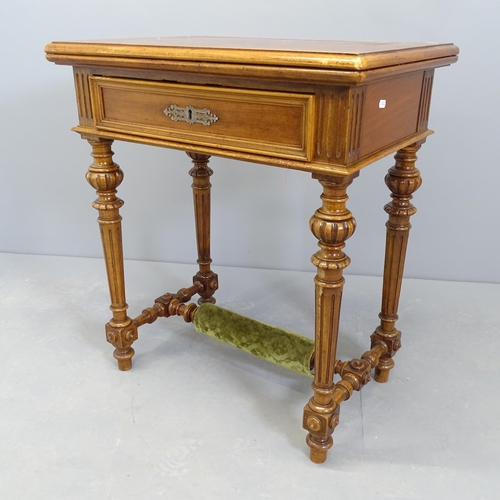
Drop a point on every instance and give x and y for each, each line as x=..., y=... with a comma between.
x=277, y=345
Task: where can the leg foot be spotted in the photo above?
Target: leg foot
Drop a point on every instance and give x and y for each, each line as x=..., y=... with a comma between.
x=319, y=451
x=385, y=365
x=318, y=457
x=124, y=359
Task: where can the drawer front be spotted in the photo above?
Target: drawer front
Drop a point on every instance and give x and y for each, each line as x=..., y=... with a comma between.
x=273, y=123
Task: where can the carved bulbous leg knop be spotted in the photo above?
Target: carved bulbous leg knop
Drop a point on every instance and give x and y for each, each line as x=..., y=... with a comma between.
x=403, y=180
x=105, y=176
x=332, y=225
x=201, y=196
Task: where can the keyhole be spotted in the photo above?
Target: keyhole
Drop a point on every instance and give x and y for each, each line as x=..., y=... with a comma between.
x=190, y=114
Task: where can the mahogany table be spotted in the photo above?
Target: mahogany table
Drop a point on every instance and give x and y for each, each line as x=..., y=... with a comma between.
x=329, y=108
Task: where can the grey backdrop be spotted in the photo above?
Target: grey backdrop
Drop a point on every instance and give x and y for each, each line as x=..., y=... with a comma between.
x=260, y=214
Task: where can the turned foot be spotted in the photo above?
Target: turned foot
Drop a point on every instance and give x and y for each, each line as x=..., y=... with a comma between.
x=318, y=457
x=124, y=359
x=318, y=451
x=385, y=365
x=122, y=337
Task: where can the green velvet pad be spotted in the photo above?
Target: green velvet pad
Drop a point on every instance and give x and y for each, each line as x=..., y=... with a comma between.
x=279, y=346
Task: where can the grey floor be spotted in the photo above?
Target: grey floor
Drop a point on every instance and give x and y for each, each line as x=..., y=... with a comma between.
x=197, y=419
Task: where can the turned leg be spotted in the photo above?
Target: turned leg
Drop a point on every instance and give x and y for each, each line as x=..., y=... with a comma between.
x=201, y=196
x=403, y=180
x=332, y=225
x=105, y=176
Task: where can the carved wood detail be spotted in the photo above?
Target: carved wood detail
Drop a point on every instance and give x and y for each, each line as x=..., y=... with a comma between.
x=403, y=180
x=201, y=196
x=355, y=375
x=332, y=225
x=171, y=304
x=331, y=132
x=104, y=175
x=425, y=100
x=357, y=100
x=83, y=99
x=357, y=371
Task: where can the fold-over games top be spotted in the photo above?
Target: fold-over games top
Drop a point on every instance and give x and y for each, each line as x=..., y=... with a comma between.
x=356, y=58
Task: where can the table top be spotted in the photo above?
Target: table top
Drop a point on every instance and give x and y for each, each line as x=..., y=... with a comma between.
x=312, y=54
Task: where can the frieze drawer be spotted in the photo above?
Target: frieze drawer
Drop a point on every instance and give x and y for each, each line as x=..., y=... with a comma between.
x=277, y=123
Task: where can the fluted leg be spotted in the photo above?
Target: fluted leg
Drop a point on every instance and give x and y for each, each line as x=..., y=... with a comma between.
x=201, y=196
x=403, y=180
x=332, y=225
x=105, y=176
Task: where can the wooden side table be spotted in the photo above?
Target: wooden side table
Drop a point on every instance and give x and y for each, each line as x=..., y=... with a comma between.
x=329, y=108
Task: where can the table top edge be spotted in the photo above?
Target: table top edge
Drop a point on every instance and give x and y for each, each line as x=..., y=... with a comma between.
x=349, y=56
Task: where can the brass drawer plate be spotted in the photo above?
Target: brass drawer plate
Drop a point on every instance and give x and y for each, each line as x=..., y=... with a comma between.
x=274, y=123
